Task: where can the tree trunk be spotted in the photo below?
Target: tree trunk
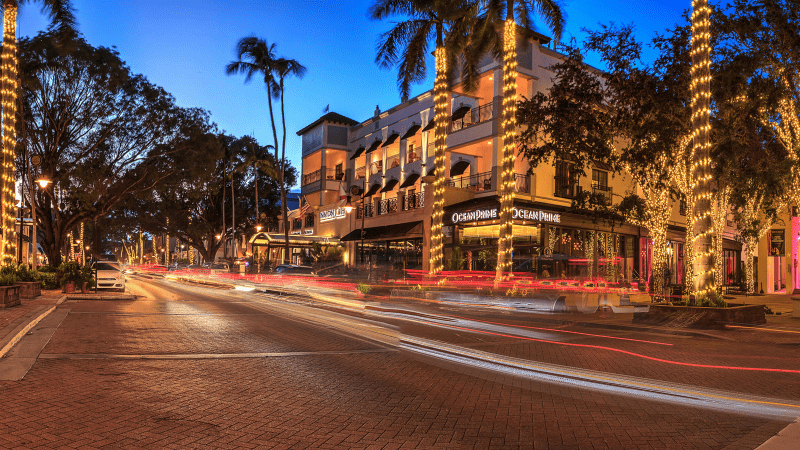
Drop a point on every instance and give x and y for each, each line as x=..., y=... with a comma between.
x=287, y=258
x=235, y=252
x=223, y=235
x=752, y=242
x=508, y=123
x=440, y=103
x=9, y=99
x=701, y=98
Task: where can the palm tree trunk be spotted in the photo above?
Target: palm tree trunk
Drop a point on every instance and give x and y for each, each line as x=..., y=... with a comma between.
x=287, y=258
x=701, y=98
x=9, y=99
x=440, y=116
x=235, y=252
x=508, y=128
x=224, y=234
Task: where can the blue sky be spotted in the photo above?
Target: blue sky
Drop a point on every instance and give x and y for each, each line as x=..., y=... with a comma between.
x=184, y=45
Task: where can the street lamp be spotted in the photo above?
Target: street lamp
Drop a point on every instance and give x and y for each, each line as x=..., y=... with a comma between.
x=43, y=182
x=259, y=227
x=348, y=207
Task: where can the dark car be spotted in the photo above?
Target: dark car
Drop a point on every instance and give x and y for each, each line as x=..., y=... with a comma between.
x=291, y=269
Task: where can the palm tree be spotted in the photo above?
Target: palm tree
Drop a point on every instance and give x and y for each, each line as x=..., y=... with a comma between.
x=62, y=23
x=448, y=23
x=256, y=57
x=497, y=14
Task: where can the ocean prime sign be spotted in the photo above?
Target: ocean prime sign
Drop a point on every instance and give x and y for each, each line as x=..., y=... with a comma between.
x=516, y=213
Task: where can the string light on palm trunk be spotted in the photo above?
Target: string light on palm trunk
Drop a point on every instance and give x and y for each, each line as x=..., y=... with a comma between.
x=700, y=103
x=440, y=117
x=509, y=129
x=9, y=104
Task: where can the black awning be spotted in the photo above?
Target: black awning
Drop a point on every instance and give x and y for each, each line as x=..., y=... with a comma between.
x=459, y=168
x=410, y=180
x=400, y=230
x=390, y=140
x=358, y=152
x=411, y=131
x=372, y=190
x=390, y=185
x=429, y=126
x=460, y=112
x=374, y=145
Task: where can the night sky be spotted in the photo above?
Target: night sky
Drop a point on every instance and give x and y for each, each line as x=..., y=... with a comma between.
x=184, y=45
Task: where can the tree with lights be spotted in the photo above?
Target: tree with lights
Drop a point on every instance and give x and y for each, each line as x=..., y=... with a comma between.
x=257, y=57
x=449, y=23
x=505, y=15
x=62, y=25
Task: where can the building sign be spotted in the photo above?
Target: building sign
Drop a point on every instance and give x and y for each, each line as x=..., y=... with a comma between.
x=332, y=214
x=516, y=213
x=293, y=233
x=307, y=232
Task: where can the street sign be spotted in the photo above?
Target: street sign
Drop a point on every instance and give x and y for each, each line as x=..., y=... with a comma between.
x=36, y=160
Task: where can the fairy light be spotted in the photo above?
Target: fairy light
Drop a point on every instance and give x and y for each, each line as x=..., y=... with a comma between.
x=9, y=104
x=682, y=175
x=155, y=251
x=700, y=103
x=720, y=215
x=83, y=245
x=508, y=127
x=166, y=252
x=440, y=102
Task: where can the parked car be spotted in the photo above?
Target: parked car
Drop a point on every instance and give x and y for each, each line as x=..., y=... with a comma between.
x=291, y=269
x=109, y=275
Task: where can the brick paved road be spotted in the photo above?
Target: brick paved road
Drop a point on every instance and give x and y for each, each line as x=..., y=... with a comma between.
x=318, y=389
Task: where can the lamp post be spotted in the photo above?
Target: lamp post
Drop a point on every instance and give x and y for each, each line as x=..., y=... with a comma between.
x=42, y=182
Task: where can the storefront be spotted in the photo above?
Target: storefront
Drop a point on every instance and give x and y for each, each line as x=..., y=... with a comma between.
x=397, y=246
x=547, y=243
x=271, y=247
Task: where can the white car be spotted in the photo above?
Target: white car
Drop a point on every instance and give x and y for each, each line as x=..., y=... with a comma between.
x=109, y=275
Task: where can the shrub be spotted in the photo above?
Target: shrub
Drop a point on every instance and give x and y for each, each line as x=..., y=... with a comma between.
x=364, y=288
x=26, y=274
x=69, y=272
x=7, y=279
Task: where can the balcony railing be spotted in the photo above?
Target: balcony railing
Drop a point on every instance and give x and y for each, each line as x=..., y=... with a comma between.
x=605, y=191
x=330, y=174
x=387, y=206
x=311, y=177
x=362, y=208
x=473, y=117
x=478, y=182
x=361, y=172
x=413, y=201
x=567, y=187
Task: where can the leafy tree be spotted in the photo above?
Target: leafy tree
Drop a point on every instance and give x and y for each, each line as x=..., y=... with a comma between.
x=257, y=57
x=101, y=132
x=448, y=23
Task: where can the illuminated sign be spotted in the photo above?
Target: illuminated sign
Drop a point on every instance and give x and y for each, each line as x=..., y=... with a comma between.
x=332, y=214
x=516, y=213
x=309, y=231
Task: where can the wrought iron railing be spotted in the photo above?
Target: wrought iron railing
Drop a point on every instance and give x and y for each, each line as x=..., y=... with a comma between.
x=414, y=201
x=387, y=206
x=605, y=191
x=478, y=182
x=362, y=208
x=473, y=117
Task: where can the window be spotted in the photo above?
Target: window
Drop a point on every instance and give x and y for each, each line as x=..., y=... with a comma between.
x=682, y=207
x=565, y=180
x=599, y=178
x=411, y=154
x=339, y=172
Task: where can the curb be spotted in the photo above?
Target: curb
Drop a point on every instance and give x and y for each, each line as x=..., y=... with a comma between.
x=28, y=327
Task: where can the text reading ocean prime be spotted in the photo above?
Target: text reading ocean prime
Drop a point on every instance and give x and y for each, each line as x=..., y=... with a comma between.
x=516, y=213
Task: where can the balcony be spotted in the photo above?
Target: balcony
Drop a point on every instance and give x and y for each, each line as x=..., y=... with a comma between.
x=412, y=157
x=479, y=182
x=393, y=161
x=413, y=201
x=361, y=173
x=387, y=206
x=473, y=117
x=330, y=174
x=362, y=209
x=376, y=168
x=605, y=191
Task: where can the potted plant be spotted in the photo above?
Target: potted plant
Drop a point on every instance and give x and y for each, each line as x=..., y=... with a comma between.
x=87, y=279
x=29, y=281
x=9, y=294
x=69, y=275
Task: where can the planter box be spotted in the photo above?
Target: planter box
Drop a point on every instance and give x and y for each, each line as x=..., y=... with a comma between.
x=9, y=296
x=29, y=289
x=699, y=317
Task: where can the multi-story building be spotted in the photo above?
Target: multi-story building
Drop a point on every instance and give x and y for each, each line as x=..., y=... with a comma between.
x=390, y=158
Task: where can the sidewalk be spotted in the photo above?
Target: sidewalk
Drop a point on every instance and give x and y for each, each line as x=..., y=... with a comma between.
x=16, y=318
